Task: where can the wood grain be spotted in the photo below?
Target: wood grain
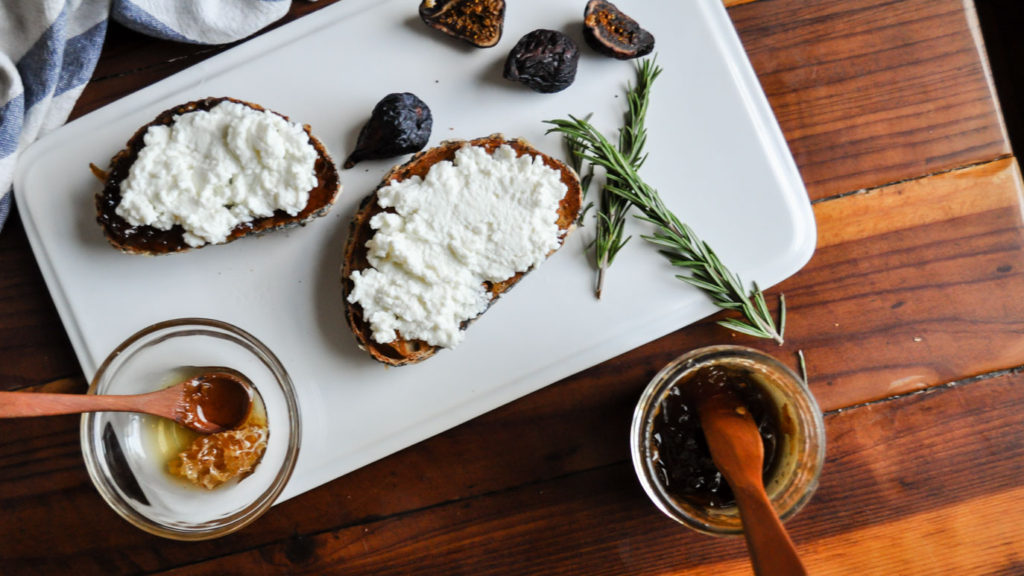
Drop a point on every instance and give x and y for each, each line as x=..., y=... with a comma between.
x=870, y=92
x=912, y=285
x=33, y=345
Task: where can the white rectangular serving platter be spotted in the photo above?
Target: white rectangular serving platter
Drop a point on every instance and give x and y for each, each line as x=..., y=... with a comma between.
x=715, y=153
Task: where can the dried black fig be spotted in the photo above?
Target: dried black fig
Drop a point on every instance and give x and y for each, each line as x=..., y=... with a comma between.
x=544, y=60
x=400, y=123
x=612, y=33
x=478, y=22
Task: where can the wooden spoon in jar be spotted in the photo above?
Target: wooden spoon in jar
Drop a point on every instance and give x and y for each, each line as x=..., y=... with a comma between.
x=217, y=399
x=738, y=453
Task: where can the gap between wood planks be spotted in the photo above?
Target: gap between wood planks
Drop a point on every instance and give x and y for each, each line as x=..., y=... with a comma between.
x=934, y=388
x=870, y=189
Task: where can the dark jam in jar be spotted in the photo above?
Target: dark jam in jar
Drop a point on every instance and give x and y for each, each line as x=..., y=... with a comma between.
x=679, y=451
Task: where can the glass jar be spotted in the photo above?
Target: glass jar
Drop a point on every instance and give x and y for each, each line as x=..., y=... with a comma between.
x=799, y=453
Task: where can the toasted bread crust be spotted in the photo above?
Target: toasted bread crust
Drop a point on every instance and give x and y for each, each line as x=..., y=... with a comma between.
x=150, y=240
x=401, y=351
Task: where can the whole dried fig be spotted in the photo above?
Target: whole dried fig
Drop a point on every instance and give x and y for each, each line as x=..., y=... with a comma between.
x=544, y=60
x=400, y=123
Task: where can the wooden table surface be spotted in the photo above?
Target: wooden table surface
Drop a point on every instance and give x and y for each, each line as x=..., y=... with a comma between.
x=910, y=315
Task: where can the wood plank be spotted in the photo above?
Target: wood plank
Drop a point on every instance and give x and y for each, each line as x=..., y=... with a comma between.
x=912, y=285
x=870, y=92
x=924, y=484
x=33, y=345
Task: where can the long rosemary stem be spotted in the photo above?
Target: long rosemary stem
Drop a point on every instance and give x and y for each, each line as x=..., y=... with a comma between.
x=676, y=240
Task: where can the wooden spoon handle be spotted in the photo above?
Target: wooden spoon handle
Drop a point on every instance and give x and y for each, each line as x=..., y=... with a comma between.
x=772, y=552
x=28, y=404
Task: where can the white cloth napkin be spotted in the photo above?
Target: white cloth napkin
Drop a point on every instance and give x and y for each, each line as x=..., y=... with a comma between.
x=49, y=48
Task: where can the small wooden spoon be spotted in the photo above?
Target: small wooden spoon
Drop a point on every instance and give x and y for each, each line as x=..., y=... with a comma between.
x=738, y=453
x=216, y=399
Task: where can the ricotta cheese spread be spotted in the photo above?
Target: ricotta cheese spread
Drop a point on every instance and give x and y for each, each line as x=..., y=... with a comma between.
x=481, y=218
x=210, y=171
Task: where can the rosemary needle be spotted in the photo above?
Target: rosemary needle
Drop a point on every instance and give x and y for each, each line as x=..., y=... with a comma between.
x=676, y=240
x=575, y=150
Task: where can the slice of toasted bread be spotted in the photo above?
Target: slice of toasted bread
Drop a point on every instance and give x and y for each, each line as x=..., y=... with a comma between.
x=401, y=351
x=150, y=240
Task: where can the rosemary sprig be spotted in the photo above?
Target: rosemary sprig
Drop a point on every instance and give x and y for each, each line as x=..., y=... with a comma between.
x=676, y=240
x=611, y=219
x=613, y=208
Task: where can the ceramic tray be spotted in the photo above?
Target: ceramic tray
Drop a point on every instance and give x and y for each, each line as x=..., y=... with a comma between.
x=716, y=155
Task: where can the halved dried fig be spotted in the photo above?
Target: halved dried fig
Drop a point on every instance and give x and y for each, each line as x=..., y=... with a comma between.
x=612, y=33
x=478, y=22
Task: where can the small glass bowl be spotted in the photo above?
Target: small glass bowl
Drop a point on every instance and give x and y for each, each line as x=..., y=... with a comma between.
x=126, y=454
x=800, y=452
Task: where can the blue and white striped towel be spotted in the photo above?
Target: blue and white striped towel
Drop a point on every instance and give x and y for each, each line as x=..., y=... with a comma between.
x=49, y=48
